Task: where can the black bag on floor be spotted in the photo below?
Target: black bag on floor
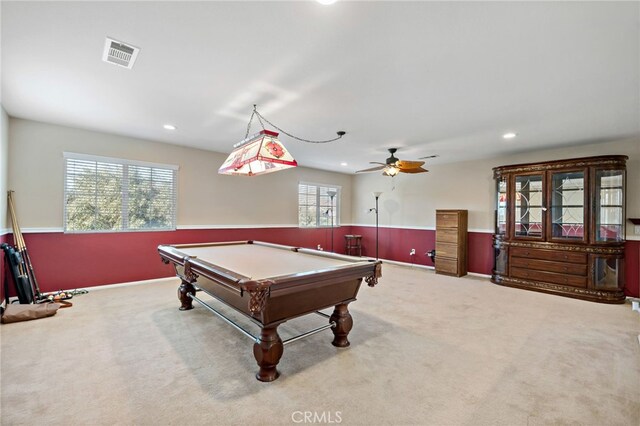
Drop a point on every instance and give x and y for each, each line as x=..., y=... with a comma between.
x=21, y=280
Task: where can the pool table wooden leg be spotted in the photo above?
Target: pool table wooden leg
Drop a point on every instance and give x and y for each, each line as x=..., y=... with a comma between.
x=185, y=301
x=344, y=324
x=268, y=351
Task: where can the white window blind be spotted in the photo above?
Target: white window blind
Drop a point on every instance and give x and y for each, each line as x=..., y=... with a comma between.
x=314, y=205
x=110, y=194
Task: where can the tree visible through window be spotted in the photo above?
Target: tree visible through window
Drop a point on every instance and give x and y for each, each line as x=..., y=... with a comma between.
x=314, y=205
x=104, y=194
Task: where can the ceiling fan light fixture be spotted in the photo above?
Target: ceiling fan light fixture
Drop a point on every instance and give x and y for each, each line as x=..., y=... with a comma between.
x=392, y=165
x=391, y=171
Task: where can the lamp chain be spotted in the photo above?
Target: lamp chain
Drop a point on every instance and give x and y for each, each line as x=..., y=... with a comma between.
x=250, y=120
x=261, y=118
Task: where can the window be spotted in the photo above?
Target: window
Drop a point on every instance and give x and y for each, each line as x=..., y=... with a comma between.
x=110, y=194
x=314, y=205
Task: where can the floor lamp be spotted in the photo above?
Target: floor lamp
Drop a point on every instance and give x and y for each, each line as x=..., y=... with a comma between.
x=377, y=195
x=332, y=193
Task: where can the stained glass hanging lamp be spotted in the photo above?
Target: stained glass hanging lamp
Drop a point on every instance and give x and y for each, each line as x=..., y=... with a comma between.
x=259, y=154
x=263, y=152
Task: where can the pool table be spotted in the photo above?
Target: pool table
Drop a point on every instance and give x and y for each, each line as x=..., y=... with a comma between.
x=270, y=284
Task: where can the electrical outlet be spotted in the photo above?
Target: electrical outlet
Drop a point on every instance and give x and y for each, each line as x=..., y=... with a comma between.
x=319, y=247
x=412, y=252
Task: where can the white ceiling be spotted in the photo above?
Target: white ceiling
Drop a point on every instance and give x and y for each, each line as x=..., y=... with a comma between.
x=427, y=77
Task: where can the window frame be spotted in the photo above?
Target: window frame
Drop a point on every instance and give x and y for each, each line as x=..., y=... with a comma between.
x=123, y=191
x=338, y=204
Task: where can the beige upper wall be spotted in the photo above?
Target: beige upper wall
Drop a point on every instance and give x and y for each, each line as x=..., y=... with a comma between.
x=470, y=185
x=4, y=167
x=204, y=197
x=411, y=200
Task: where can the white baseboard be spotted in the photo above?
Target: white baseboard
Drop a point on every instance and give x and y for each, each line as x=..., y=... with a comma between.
x=413, y=265
x=127, y=284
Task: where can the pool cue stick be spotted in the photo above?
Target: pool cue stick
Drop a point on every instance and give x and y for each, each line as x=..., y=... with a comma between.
x=21, y=245
x=22, y=248
x=19, y=269
x=17, y=235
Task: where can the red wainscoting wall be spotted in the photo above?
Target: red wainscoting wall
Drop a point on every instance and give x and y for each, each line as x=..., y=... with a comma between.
x=396, y=244
x=632, y=263
x=68, y=261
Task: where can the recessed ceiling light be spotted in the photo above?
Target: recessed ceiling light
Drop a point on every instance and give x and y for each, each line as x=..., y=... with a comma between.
x=509, y=135
x=169, y=127
x=326, y=2
x=344, y=163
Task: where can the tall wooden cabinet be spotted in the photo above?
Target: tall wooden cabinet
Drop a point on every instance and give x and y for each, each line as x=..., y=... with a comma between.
x=560, y=227
x=451, y=242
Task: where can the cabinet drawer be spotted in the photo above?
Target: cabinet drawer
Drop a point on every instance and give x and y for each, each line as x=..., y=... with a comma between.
x=550, y=277
x=448, y=235
x=446, y=220
x=545, y=265
x=446, y=266
x=446, y=250
x=555, y=255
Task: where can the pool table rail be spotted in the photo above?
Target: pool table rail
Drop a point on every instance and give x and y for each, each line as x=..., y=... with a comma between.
x=189, y=268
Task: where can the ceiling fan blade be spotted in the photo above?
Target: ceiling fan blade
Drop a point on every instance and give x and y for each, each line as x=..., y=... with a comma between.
x=413, y=170
x=375, y=162
x=372, y=169
x=392, y=165
x=404, y=164
x=430, y=156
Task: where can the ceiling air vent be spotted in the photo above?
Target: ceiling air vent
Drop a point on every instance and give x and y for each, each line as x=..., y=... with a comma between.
x=119, y=53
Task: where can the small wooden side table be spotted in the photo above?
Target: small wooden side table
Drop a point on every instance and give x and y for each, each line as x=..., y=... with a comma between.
x=353, y=243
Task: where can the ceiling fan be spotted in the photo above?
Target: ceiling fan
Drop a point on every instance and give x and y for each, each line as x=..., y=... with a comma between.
x=392, y=165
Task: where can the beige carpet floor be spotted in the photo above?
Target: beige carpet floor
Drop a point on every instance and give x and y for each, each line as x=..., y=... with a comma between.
x=425, y=350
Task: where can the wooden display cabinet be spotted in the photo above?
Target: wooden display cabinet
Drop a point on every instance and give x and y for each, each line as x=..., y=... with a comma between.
x=560, y=227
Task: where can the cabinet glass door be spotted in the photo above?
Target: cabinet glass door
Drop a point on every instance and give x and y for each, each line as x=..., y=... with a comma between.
x=567, y=206
x=502, y=260
x=528, y=206
x=607, y=272
x=609, y=205
x=501, y=208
